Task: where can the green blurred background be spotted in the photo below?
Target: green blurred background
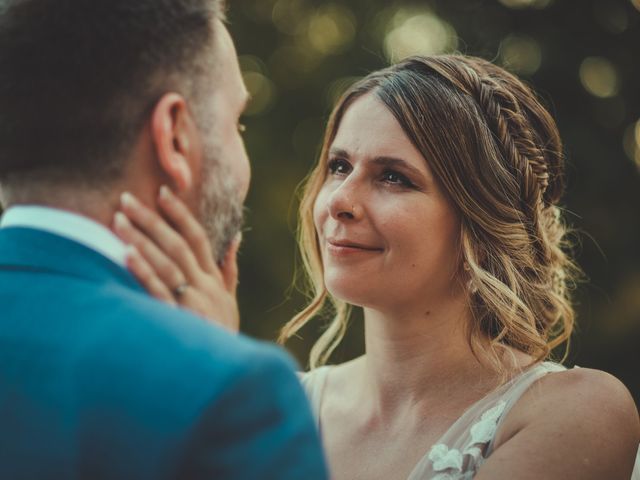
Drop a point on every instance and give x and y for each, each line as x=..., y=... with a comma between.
x=582, y=56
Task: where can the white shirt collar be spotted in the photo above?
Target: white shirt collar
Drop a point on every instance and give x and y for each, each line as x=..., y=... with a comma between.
x=69, y=225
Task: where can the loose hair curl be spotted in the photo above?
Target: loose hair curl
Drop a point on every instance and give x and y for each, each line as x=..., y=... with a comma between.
x=497, y=154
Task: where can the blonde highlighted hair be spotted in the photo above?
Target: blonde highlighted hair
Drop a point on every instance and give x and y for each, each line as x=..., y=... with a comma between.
x=497, y=155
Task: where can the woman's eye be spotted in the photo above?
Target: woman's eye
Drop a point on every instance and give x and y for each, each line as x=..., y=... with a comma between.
x=396, y=178
x=338, y=167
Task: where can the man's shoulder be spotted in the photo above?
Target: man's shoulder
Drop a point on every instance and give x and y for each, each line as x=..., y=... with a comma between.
x=154, y=350
x=144, y=324
x=109, y=336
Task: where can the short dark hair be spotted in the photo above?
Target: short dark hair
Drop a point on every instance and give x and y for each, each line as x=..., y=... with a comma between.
x=78, y=78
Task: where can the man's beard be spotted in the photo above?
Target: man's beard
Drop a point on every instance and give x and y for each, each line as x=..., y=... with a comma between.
x=221, y=209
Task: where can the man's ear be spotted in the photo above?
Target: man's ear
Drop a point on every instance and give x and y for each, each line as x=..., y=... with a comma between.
x=176, y=139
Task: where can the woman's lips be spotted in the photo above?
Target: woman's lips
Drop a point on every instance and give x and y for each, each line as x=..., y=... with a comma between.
x=346, y=247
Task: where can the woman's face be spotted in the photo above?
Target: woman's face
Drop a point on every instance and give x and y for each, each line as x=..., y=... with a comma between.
x=387, y=234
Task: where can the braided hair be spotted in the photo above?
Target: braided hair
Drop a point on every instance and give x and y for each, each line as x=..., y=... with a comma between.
x=497, y=154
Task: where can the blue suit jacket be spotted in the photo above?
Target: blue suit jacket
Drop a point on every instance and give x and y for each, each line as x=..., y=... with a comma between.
x=100, y=381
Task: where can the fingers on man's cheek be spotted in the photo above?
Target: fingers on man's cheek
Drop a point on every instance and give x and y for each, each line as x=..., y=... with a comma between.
x=147, y=277
x=132, y=235
x=128, y=232
x=137, y=266
x=122, y=226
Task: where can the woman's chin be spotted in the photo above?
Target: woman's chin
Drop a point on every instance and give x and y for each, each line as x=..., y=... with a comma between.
x=354, y=294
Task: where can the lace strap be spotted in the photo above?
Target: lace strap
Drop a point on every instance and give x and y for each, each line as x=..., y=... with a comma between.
x=469, y=441
x=519, y=387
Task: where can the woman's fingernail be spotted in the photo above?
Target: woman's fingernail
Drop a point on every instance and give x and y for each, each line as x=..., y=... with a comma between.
x=131, y=250
x=121, y=220
x=127, y=199
x=165, y=194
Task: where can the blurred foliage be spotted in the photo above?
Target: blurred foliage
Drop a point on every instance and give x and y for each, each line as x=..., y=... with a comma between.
x=582, y=56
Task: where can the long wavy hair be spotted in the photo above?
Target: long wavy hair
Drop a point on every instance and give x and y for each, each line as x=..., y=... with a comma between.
x=497, y=155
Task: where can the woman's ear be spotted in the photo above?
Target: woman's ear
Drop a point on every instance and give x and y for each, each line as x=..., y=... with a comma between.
x=176, y=140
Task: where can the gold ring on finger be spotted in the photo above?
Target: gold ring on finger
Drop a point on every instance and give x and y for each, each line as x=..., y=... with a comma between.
x=180, y=289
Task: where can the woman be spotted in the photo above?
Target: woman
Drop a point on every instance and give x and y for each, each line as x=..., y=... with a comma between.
x=434, y=208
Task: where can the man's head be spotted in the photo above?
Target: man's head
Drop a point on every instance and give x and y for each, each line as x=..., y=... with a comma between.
x=225, y=167
x=97, y=95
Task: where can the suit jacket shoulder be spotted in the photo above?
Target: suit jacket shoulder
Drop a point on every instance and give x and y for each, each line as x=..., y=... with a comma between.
x=99, y=380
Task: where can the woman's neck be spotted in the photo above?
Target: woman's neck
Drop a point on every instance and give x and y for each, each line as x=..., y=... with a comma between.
x=420, y=360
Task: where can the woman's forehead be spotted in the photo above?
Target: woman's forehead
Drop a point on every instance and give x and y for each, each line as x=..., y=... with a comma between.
x=369, y=129
x=369, y=124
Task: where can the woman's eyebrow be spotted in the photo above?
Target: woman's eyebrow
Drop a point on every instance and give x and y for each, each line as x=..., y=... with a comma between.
x=383, y=161
x=392, y=162
x=338, y=152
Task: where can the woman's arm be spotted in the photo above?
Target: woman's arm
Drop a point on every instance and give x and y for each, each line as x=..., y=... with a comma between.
x=579, y=424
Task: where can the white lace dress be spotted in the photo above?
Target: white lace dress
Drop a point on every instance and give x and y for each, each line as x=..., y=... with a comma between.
x=460, y=452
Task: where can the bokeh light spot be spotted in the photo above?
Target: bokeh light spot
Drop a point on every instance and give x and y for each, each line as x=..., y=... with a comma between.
x=262, y=91
x=636, y=156
x=599, y=77
x=291, y=16
x=290, y=65
x=517, y=4
x=521, y=54
x=612, y=16
x=631, y=142
x=418, y=32
x=251, y=63
x=259, y=11
x=332, y=29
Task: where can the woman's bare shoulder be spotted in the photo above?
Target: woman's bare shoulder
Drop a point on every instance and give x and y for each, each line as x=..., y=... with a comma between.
x=579, y=390
x=584, y=420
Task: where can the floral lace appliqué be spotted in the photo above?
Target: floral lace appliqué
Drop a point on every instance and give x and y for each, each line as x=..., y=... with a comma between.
x=453, y=464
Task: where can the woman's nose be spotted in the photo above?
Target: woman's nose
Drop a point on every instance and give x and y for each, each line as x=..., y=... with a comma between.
x=343, y=202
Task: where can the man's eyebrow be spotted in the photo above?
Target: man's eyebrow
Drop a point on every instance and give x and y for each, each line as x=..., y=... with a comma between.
x=383, y=161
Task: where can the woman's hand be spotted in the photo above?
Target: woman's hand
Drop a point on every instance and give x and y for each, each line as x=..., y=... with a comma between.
x=175, y=264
